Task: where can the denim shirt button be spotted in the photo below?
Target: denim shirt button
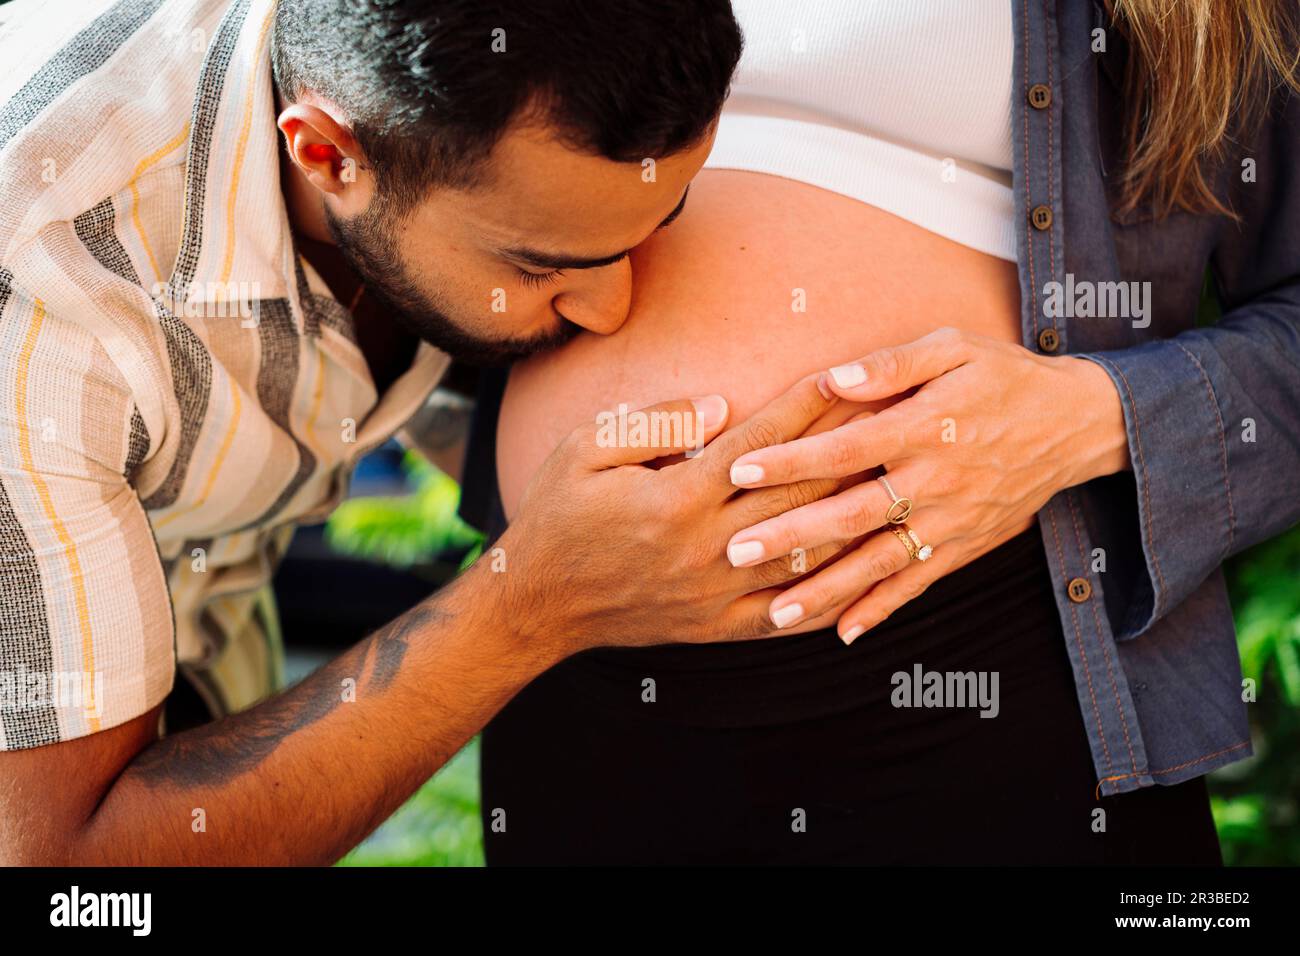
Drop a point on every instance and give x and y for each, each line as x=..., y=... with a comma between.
x=1041, y=217
x=1049, y=340
x=1040, y=96
x=1079, y=590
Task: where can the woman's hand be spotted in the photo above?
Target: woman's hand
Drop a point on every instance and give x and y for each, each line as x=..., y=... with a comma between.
x=991, y=434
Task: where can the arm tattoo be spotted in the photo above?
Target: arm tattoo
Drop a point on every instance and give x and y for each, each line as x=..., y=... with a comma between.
x=389, y=646
x=218, y=752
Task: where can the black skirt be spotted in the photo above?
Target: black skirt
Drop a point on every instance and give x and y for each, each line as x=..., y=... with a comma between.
x=800, y=750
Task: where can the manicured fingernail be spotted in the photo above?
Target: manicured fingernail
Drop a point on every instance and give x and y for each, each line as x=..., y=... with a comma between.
x=824, y=388
x=746, y=474
x=787, y=615
x=849, y=376
x=744, y=552
x=852, y=634
x=710, y=410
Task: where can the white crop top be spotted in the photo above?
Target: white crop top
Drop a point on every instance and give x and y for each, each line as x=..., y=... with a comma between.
x=903, y=104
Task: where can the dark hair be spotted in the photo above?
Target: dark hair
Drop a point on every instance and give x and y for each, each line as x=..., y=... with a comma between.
x=428, y=89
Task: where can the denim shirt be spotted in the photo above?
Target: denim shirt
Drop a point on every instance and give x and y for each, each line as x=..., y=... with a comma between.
x=1212, y=414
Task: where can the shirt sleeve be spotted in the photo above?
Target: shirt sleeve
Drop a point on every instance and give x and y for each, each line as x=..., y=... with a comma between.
x=86, y=628
x=1213, y=414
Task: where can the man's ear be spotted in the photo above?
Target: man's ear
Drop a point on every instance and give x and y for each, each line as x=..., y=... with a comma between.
x=321, y=147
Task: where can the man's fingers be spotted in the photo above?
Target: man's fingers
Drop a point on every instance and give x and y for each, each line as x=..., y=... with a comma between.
x=748, y=618
x=784, y=568
x=888, y=371
x=623, y=437
x=785, y=417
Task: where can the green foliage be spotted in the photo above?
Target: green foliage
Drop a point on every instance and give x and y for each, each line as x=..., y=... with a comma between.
x=404, y=530
x=438, y=826
x=1257, y=802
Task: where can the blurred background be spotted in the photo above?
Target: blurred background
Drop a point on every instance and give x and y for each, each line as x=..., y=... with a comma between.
x=397, y=536
x=394, y=540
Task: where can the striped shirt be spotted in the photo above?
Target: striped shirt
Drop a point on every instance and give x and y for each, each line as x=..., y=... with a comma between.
x=178, y=387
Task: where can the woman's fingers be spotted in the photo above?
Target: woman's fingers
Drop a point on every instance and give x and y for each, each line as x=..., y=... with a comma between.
x=855, y=511
x=888, y=371
x=893, y=592
x=860, y=444
x=850, y=514
x=887, y=597
x=882, y=558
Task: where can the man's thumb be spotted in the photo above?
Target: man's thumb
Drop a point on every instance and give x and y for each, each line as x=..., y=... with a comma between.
x=622, y=437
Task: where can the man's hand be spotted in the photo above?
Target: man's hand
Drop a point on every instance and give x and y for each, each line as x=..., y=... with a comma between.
x=607, y=551
x=604, y=551
x=991, y=434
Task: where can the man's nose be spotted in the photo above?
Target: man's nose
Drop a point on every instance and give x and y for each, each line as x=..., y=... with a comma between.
x=600, y=300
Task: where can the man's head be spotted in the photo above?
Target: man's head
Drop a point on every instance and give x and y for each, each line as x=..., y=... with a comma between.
x=486, y=166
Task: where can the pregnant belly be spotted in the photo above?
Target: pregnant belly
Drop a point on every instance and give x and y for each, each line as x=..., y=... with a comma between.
x=761, y=281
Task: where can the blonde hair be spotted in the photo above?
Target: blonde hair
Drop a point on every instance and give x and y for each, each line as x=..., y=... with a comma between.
x=1196, y=68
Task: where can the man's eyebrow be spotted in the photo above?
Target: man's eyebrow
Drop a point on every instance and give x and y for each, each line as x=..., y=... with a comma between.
x=543, y=260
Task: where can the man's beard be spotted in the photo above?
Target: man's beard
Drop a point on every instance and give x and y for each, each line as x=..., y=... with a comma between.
x=368, y=242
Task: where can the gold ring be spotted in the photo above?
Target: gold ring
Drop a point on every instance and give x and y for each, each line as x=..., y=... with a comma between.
x=912, y=541
x=901, y=509
x=908, y=543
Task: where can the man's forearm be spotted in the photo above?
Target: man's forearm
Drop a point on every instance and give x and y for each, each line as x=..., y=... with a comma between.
x=603, y=551
x=304, y=776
